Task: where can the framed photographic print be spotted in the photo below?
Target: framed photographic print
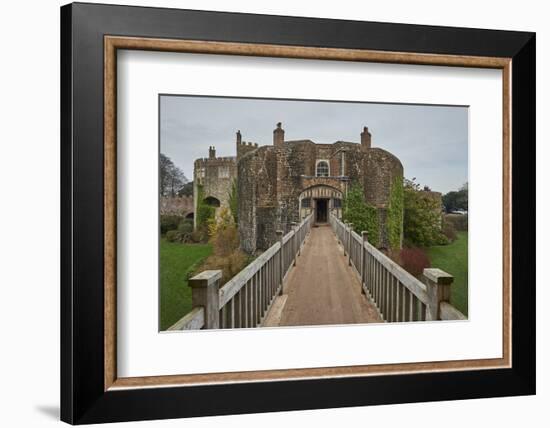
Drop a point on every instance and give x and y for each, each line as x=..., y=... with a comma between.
x=265, y=213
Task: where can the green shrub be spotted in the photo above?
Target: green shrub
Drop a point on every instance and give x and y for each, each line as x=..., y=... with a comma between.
x=422, y=222
x=204, y=212
x=449, y=229
x=169, y=222
x=186, y=226
x=198, y=236
x=173, y=236
x=360, y=214
x=459, y=221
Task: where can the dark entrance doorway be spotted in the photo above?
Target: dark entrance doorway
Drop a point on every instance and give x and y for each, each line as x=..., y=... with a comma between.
x=321, y=210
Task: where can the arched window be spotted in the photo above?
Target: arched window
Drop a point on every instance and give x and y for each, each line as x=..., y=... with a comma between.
x=322, y=169
x=212, y=201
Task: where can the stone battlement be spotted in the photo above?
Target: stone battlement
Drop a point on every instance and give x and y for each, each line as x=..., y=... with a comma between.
x=221, y=159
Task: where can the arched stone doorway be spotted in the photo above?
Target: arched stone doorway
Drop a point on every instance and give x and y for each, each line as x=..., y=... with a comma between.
x=212, y=201
x=321, y=200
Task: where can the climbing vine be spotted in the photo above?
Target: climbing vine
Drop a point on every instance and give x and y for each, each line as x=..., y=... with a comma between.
x=362, y=215
x=233, y=201
x=204, y=211
x=394, y=220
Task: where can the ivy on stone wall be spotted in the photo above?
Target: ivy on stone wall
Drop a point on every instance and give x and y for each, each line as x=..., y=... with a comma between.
x=394, y=219
x=204, y=211
x=233, y=201
x=362, y=215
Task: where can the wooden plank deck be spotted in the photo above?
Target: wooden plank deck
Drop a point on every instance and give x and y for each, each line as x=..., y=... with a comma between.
x=323, y=289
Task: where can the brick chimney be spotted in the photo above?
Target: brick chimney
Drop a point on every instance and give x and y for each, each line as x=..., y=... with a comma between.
x=365, y=139
x=211, y=152
x=278, y=136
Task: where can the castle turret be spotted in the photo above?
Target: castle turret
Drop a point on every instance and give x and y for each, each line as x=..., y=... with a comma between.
x=365, y=139
x=243, y=147
x=211, y=152
x=278, y=136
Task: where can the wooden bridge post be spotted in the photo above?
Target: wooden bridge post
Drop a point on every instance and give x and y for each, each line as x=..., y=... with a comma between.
x=280, y=234
x=205, y=287
x=438, y=284
x=295, y=242
x=364, y=235
x=349, y=243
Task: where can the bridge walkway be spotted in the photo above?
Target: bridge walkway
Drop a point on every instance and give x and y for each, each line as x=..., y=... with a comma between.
x=322, y=289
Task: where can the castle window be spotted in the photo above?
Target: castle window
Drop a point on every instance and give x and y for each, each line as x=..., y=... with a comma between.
x=337, y=203
x=306, y=203
x=223, y=172
x=212, y=201
x=322, y=169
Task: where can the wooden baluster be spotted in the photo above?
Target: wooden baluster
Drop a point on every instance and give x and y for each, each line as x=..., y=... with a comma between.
x=381, y=282
x=237, y=310
x=232, y=313
x=397, y=299
x=247, y=304
x=371, y=277
x=390, y=296
x=423, y=311
x=255, y=288
x=372, y=287
x=281, y=250
x=377, y=286
x=415, y=308
x=294, y=228
x=364, y=235
x=406, y=304
x=400, y=306
x=350, y=243
x=411, y=306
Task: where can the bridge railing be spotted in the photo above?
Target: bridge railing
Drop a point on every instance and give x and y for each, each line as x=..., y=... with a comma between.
x=245, y=299
x=398, y=295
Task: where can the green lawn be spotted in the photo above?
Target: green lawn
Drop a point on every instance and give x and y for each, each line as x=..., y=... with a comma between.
x=176, y=260
x=453, y=259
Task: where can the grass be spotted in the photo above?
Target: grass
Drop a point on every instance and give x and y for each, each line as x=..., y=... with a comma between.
x=453, y=259
x=176, y=261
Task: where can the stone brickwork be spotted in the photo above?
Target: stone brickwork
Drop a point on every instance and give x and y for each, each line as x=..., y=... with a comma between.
x=215, y=175
x=281, y=183
x=179, y=205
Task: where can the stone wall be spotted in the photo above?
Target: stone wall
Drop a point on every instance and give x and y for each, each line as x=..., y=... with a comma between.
x=215, y=175
x=271, y=180
x=179, y=205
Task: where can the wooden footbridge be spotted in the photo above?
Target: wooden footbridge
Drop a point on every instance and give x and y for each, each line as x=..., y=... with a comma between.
x=318, y=275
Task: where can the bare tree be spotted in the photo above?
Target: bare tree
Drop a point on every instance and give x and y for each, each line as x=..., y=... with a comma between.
x=172, y=179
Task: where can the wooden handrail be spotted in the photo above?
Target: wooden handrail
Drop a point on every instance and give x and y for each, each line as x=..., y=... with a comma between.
x=194, y=320
x=233, y=286
x=398, y=295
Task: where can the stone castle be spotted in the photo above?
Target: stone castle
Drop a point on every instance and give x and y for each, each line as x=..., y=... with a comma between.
x=282, y=183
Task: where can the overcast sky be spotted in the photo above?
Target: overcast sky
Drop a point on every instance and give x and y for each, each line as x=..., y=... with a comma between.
x=430, y=141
